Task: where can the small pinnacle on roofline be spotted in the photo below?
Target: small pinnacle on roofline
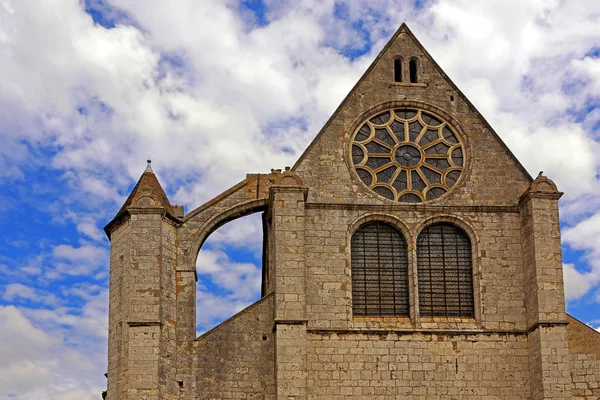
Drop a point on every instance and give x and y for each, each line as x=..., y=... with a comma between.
x=149, y=166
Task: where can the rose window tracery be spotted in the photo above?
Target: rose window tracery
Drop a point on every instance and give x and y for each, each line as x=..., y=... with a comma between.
x=407, y=155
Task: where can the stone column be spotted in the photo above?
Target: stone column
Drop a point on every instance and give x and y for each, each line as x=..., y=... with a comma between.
x=287, y=208
x=142, y=307
x=186, y=331
x=549, y=361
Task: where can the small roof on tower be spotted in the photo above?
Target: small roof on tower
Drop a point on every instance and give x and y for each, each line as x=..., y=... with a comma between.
x=147, y=193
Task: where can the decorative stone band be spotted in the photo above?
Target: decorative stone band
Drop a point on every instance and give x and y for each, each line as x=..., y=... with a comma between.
x=546, y=324
x=539, y=195
x=146, y=210
x=451, y=332
x=291, y=321
x=414, y=207
x=144, y=323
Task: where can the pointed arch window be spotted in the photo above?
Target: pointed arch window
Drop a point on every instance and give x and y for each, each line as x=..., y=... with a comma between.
x=413, y=69
x=445, y=272
x=379, y=267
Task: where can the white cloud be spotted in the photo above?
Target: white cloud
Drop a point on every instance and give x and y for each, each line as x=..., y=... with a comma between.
x=85, y=224
x=588, y=69
x=584, y=236
x=90, y=319
x=37, y=364
x=31, y=270
x=244, y=232
x=16, y=291
x=211, y=309
x=224, y=285
x=81, y=260
x=240, y=279
x=577, y=283
x=563, y=151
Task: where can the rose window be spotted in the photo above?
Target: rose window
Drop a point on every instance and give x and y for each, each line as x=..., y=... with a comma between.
x=407, y=155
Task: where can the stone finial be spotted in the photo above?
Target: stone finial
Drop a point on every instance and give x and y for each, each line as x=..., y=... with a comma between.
x=149, y=166
x=543, y=184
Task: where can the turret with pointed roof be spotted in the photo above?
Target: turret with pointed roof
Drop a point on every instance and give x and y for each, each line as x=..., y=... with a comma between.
x=146, y=193
x=143, y=238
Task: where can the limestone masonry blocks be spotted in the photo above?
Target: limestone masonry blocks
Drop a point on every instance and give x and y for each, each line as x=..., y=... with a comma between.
x=301, y=341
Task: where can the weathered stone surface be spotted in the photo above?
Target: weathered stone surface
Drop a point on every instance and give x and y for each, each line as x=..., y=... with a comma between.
x=236, y=360
x=301, y=340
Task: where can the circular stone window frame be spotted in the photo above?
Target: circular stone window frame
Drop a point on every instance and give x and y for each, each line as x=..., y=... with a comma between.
x=455, y=127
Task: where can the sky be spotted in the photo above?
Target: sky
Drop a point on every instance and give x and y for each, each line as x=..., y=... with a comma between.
x=212, y=90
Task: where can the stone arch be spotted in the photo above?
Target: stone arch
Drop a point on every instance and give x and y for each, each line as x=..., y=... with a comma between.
x=451, y=219
x=390, y=219
x=470, y=231
x=192, y=233
x=410, y=248
x=216, y=221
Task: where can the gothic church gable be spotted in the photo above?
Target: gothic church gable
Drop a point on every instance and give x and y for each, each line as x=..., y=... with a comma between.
x=437, y=144
x=407, y=254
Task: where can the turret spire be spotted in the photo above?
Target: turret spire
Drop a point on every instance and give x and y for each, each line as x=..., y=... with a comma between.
x=146, y=193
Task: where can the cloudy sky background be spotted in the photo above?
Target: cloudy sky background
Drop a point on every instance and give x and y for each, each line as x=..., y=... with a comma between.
x=210, y=90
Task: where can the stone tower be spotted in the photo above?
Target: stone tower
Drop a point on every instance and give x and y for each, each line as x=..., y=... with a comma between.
x=407, y=254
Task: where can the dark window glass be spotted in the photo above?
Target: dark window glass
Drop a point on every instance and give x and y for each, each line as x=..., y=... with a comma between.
x=379, y=271
x=413, y=66
x=445, y=272
x=398, y=70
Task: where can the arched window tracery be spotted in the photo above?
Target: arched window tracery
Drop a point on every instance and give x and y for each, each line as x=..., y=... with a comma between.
x=445, y=272
x=379, y=264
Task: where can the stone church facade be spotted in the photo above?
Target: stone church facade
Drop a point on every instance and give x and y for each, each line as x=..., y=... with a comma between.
x=407, y=255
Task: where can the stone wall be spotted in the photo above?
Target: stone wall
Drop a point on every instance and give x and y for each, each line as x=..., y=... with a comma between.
x=381, y=365
x=584, y=346
x=498, y=276
x=235, y=360
x=585, y=373
x=142, y=307
x=582, y=338
x=117, y=344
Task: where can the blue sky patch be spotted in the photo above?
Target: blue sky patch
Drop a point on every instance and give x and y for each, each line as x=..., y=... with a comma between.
x=258, y=8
